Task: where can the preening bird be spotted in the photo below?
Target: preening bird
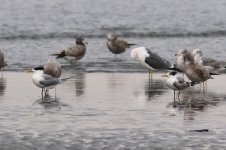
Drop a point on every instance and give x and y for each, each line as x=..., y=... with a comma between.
x=195, y=72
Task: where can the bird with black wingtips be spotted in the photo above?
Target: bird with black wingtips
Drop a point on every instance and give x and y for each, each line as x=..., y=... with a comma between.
x=176, y=83
x=214, y=66
x=45, y=81
x=74, y=53
x=117, y=45
x=150, y=60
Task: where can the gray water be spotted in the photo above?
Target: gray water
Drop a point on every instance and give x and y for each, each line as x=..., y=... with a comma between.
x=110, y=104
x=32, y=30
x=110, y=111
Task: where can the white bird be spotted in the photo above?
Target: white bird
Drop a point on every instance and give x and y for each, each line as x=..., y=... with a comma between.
x=213, y=66
x=45, y=81
x=150, y=59
x=176, y=83
x=74, y=53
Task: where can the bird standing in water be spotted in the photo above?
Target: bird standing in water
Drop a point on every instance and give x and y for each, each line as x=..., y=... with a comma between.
x=150, y=60
x=176, y=83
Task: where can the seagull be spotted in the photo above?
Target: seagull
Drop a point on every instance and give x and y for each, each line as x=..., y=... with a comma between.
x=52, y=68
x=181, y=56
x=195, y=72
x=45, y=81
x=2, y=61
x=75, y=53
x=117, y=45
x=150, y=59
x=176, y=83
x=211, y=64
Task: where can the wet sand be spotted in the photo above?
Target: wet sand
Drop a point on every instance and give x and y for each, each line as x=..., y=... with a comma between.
x=110, y=111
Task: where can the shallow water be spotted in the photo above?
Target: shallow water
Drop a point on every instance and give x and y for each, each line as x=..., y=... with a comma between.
x=110, y=104
x=110, y=111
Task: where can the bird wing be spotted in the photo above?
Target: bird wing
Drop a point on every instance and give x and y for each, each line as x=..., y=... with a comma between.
x=156, y=62
x=49, y=81
x=212, y=62
x=123, y=43
x=76, y=51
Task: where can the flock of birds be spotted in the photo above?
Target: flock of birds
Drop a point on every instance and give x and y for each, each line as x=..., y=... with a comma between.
x=197, y=68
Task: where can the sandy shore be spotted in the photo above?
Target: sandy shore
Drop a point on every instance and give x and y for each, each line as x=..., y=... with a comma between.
x=99, y=110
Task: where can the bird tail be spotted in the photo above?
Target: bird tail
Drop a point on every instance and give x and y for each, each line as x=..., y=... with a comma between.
x=59, y=55
x=67, y=78
x=174, y=69
x=131, y=44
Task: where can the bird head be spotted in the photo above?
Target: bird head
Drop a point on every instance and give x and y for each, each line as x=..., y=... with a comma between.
x=197, y=52
x=111, y=37
x=40, y=68
x=80, y=41
x=181, y=52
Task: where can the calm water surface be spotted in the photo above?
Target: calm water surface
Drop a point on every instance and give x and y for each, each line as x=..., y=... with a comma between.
x=110, y=111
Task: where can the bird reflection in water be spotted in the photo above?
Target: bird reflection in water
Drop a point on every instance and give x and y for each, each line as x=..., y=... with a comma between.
x=154, y=88
x=193, y=101
x=2, y=86
x=79, y=83
x=50, y=103
x=79, y=77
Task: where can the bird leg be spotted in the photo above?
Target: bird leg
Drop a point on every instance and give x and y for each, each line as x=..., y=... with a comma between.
x=178, y=96
x=206, y=86
x=174, y=97
x=150, y=75
x=46, y=92
x=42, y=93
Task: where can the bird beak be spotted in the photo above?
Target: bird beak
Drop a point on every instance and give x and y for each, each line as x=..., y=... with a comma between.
x=164, y=75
